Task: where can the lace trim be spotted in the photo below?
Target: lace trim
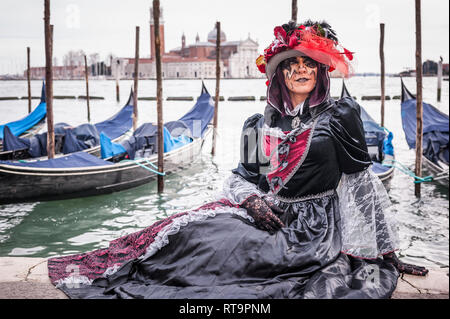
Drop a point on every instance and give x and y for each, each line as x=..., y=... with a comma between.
x=237, y=189
x=73, y=281
x=304, y=198
x=111, y=270
x=369, y=227
x=297, y=110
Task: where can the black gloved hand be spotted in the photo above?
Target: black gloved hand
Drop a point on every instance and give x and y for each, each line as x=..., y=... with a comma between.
x=263, y=215
x=270, y=202
x=405, y=268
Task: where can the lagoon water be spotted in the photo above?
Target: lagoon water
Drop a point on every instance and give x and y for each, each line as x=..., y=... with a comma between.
x=44, y=229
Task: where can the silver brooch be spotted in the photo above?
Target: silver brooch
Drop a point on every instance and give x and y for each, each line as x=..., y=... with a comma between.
x=295, y=122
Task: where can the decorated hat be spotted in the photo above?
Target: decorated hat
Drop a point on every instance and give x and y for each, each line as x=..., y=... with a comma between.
x=313, y=39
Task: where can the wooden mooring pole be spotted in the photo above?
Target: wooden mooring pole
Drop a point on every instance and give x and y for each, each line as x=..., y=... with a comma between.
x=419, y=104
x=117, y=80
x=86, y=72
x=136, y=80
x=159, y=97
x=439, y=79
x=383, y=93
x=28, y=79
x=294, y=10
x=216, y=104
x=48, y=31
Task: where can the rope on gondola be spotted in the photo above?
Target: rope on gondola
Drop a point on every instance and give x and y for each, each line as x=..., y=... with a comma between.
x=136, y=161
x=407, y=171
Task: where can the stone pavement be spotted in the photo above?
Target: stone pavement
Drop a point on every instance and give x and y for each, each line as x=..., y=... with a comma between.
x=27, y=278
x=432, y=286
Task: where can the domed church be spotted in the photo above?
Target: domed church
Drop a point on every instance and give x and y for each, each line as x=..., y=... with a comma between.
x=212, y=35
x=195, y=60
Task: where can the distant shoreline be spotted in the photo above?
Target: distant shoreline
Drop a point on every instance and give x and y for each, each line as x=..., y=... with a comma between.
x=189, y=79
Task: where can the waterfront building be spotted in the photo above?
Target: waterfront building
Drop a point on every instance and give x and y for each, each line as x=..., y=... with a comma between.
x=196, y=60
x=59, y=72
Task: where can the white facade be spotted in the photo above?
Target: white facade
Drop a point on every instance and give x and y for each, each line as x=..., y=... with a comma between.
x=242, y=64
x=191, y=69
x=122, y=68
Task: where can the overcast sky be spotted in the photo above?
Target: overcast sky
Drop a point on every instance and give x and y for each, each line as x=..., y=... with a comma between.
x=108, y=26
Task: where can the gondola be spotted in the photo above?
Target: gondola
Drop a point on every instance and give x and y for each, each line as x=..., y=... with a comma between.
x=379, y=144
x=127, y=164
x=435, y=138
x=30, y=124
x=85, y=137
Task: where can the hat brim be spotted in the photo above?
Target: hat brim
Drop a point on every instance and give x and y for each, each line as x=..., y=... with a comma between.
x=278, y=58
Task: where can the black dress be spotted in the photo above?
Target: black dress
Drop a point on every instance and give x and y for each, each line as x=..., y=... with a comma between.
x=330, y=246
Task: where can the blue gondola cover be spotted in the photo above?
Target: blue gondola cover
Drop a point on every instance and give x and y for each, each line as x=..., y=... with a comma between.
x=12, y=142
x=198, y=118
x=143, y=141
x=118, y=124
x=79, y=159
x=172, y=143
x=388, y=148
x=375, y=134
x=76, y=139
x=109, y=148
x=435, y=129
x=22, y=125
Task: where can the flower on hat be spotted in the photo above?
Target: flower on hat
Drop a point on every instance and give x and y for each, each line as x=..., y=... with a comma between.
x=279, y=33
x=293, y=41
x=261, y=64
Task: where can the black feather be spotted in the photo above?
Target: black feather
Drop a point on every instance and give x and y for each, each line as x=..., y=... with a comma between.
x=329, y=32
x=290, y=27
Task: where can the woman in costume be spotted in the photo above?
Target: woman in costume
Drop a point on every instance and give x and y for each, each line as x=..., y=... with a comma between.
x=302, y=215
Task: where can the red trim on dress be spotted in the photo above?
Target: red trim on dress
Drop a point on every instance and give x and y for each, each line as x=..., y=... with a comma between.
x=94, y=264
x=296, y=150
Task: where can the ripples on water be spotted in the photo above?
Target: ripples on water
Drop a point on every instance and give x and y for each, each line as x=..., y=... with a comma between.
x=71, y=226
